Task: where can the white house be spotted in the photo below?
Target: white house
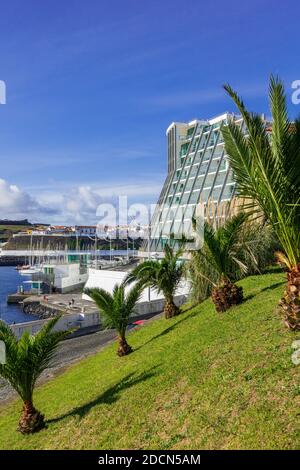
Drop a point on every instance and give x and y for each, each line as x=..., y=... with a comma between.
x=85, y=230
x=63, y=277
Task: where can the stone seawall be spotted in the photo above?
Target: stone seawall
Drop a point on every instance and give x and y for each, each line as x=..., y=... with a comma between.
x=41, y=309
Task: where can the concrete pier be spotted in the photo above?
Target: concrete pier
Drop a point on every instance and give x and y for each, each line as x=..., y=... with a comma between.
x=47, y=306
x=17, y=298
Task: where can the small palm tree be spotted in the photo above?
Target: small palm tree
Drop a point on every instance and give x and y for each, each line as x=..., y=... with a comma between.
x=163, y=275
x=221, y=251
x=266, y=165
x=116, y=309
x=26, y=359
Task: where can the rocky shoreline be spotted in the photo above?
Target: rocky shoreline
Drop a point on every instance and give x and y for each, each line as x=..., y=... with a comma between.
x=41, y=309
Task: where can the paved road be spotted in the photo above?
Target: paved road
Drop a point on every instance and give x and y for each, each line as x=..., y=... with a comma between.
x=76, y=348
x=69, y=351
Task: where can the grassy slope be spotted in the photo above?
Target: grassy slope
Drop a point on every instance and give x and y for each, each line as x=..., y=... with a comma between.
x=198, y=381
x=7, y=230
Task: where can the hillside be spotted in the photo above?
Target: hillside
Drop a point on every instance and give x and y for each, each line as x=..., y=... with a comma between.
x=201, y=380
x=56, y=242
x=6, y=231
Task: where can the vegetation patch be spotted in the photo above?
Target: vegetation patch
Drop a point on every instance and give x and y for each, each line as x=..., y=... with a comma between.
x=199, y=380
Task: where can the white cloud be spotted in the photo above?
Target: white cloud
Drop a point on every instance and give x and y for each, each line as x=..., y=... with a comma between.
x=69, y=204
x=14, y=201
x=79, y=204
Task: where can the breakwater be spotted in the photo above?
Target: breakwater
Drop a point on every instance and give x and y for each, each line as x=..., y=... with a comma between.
x=42, y=310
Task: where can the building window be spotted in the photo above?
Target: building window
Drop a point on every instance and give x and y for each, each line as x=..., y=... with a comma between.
x=190, y=131
x=183, y=149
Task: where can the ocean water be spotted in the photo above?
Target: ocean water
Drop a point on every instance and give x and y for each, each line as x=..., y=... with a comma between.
x=10, y=279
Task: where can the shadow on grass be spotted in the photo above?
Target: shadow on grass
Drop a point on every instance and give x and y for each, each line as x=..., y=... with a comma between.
x=185, y=309
x=111, y=395
x=172, y=327
x=264, y=289
x=196, y=312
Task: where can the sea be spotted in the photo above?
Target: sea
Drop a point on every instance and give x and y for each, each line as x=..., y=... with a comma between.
x=10, y=280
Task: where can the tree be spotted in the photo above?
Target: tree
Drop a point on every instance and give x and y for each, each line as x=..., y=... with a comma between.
x=163, y=275
x=255, y=252
x=26, y=359
x=116, y=309
x=266, y=165
x=222, y=252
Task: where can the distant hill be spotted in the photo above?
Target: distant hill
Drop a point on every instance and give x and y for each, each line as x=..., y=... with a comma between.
x=23, y=222
x=10, y=227
x=56, y=242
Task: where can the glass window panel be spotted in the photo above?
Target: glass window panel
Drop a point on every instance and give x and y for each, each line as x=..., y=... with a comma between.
x=194, y=199
x=205, y=194
x=216, y=194
x=209, y=180
x=184, y=199
x=228, y=192
x=189, y=185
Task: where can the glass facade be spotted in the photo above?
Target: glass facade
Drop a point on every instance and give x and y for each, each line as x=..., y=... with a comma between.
x=198, y=171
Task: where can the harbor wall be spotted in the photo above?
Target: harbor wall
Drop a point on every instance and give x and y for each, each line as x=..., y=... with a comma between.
x=83, y=322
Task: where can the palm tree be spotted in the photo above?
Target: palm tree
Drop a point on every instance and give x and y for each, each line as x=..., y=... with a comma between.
x=255, y=251
x=26, y=359
x=163, y=275
x=266, y=165
x=116, y=309
x=223, y=253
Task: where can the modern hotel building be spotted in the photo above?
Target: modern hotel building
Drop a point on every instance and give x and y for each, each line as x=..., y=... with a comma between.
x=198, y=171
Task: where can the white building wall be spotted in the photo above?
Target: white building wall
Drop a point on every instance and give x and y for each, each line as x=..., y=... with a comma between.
x=104, y=279
x=67, y=275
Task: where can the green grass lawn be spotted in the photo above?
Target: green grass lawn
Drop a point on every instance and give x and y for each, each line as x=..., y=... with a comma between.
x=7, y=230
x=199, y=381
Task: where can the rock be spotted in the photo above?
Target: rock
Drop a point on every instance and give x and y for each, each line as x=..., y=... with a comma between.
x=40, y=310
x=296, y=344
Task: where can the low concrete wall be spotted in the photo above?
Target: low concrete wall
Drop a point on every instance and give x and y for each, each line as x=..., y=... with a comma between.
x=71, y=320
x=17, y=298
x=156, y=306
x=90, y=319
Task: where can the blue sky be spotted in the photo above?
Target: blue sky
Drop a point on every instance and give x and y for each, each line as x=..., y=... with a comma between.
x=92, y=86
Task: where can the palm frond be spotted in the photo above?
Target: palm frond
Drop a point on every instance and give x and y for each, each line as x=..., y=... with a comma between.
x=29, y=356
x=267, y=168
x=163, y=275
x=223, y=245
x=116, y=308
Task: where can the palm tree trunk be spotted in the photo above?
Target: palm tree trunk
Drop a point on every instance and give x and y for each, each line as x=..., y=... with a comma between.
x=124, y=347
x=226, y=295
x=290, y=302
x=170, y=309
x=31, y=419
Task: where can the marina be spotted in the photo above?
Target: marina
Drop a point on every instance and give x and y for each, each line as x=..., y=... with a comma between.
x=10, y=281
x=49, y=272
